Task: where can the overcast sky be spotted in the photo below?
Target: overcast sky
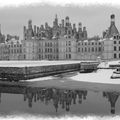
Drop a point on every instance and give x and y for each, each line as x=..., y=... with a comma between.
x=96, y=18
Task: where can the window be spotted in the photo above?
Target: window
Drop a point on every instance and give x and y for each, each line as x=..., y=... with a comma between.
x=99, y=49
x=39, y=56
x=66, y=43
x=96, y=49
x=39, y=50
x=69, y=32
x=117, y=37
x=114, y=42
x=14, y=50
x=66, y=56
x=82, y=49
x=89, y=50
x=115, y=56
x=69, y=49
x=69, y=56
x=24, y=56
x=114, y=37
x=92, y=49
x=45, y=49
x=78, y=49
x=51, y=44
x=85, y=49
x=119, y=55
x=114, y=48
x=119, y=42
x=69, y=42
x=119, y=48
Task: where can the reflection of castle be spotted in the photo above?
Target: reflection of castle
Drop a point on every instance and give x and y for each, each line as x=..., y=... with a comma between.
x=59, y=97
x=112, y=98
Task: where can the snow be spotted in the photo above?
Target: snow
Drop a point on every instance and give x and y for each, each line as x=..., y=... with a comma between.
x=106, y=64
x=100, y=76
x=33, y=63
x=39, y=79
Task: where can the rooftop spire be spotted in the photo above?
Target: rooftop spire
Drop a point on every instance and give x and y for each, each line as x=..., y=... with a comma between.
x=56, y=16
x=112, y=19
x=0, y=28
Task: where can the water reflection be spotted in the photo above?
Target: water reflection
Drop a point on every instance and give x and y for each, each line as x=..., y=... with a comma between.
x=112, y=98
x=60, y=98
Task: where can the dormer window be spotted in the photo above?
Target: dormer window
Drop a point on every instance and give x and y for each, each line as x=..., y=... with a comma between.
x=114, y=37
x=114, y=42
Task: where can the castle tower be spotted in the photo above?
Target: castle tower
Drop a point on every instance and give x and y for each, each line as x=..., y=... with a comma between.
x=24, y=32
x=30, y=30
x=80, y=27
x=67, y=21
x=112, y=19
x=112, y=29
x=46, y=25
x=84, y=33
x=62, y=22
x=35, y=30
x=0, y=29
x=30, y=24
x=55, y=22
x=80, y=33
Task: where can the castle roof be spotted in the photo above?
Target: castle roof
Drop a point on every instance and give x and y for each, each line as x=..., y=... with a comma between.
x=112, y=30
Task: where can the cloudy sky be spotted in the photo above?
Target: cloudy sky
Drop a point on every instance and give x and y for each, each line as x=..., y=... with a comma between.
x=95, y=17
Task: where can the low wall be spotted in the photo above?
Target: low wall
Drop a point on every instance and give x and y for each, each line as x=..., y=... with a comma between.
x=24, y=73
x=27, y=71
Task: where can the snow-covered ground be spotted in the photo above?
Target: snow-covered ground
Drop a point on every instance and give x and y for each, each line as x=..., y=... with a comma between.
x=36, y=63
x=106, y=64
x=33, y=63
x=101, y=76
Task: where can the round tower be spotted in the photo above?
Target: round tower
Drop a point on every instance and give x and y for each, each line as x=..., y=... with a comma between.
x=112, y=17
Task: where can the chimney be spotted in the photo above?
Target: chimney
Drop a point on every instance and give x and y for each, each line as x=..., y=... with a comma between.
x=62, y=22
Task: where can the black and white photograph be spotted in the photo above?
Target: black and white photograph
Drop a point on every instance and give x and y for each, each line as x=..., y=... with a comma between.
x=59, y=60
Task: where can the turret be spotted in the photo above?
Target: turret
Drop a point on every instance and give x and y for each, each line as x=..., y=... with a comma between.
x=46, y=25
x=30, y=24
x=55, y=22
x=80, y=27
x=84, y=33
x=62, y=22
x=0, y=28
x=24, y=32
x=35, y=30
x=67, y=21
x=112, y=19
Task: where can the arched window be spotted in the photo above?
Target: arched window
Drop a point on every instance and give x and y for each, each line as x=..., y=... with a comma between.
x=115, y=56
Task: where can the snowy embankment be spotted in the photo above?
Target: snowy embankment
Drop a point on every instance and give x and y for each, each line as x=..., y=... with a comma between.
x=100, y=76
x=33, y=63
